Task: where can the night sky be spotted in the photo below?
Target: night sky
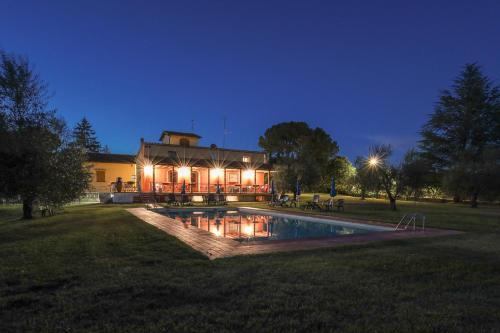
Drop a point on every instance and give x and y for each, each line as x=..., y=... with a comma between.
x=365, y=71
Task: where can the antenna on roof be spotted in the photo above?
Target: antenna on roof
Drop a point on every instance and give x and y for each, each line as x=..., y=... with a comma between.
x=225, y=133
x=192, y=125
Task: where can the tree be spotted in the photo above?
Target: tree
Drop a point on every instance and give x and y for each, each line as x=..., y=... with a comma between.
x=84, y=135
x=366, y=178
x=344, y=173
x=463, y=128
x=389, y=175
x=298, y=152
x=416, y=173
x=33, y=146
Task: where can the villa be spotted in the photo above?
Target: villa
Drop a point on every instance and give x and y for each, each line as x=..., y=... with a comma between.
x=176, y=163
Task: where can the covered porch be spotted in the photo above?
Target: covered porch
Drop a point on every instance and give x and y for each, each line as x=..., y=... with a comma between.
x=167, y=178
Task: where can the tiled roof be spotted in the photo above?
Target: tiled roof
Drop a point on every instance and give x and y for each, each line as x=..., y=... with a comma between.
x=205, y=163
x=207, y=148
x=111, y=158
x=179, y=133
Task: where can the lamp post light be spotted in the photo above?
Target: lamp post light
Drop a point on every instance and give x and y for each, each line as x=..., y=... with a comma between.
x=373, y=161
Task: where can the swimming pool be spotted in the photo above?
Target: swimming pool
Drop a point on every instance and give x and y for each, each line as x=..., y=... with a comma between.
x=248, y=224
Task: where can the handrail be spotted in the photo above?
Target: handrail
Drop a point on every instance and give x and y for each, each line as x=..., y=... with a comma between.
x=411, y=218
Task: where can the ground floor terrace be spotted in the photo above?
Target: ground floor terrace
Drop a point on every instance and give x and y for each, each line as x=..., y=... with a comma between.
x=204, y=180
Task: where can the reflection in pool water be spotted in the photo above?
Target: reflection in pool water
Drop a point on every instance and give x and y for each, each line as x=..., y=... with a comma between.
x=257, y=226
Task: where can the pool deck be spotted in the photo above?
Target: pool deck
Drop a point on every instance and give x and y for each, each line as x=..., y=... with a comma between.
x=215, y=247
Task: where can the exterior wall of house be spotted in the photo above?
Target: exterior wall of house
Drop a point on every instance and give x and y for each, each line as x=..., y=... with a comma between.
x=176, y=140
x=111, y=172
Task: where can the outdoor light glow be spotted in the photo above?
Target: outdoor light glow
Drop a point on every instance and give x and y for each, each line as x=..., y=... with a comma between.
x=248, y=230
x=216, y=175
x=183, y=173
x=148, y=170
x=248, y=174
x=217, y=172
x=373, y=161
x=217, y=232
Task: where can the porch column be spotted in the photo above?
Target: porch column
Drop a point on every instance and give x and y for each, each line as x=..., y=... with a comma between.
x=173, y=180
x=268, y=180
x=225, y=188
x=191, y=178
x=208, y=187
x=255, y=181
x=154, y=183
x=241, y=182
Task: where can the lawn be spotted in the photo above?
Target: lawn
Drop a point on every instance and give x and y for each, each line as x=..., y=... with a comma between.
x=98, y=268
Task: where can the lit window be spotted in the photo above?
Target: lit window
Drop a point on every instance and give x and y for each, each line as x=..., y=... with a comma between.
x=172, y=176
x=246, y=159
x=100, y=176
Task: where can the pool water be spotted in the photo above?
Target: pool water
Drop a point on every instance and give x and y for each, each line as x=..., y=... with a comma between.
x=262, y=225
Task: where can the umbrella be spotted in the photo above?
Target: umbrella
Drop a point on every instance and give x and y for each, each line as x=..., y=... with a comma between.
x=183, y=189
x=333, y=191
x=298, y=190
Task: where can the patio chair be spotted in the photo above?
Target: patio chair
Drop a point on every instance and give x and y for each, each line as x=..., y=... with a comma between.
x=340, y=205
x=275, y=200
x=284, y=201
x=313, y=204
x=328, y=204
x=186, y=200
x=171, y=200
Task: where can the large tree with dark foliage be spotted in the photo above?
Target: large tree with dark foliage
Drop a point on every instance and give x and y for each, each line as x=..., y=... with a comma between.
x=416, y=172
x=462, y=137
x=38, y=162
x=299, y=152
x=84, y=135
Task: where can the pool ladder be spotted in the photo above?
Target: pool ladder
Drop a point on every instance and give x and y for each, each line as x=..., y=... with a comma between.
x=410, y=219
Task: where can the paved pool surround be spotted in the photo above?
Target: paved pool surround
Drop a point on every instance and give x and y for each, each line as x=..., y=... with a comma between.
x=215, y=247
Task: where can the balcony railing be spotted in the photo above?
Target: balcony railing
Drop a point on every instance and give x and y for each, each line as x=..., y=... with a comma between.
x=212, y=188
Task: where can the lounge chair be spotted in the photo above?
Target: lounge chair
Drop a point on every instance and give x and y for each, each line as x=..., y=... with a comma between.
x=340, y=205
x=313, y=204
x=171, y=200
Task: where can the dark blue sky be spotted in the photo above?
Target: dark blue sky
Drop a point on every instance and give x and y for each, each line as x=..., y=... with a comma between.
x=365, y=71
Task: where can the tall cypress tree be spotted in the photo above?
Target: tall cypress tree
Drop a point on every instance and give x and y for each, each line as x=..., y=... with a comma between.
x=463, y=133
x=85, y=136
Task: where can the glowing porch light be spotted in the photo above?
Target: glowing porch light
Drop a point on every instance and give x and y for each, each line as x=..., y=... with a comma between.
x=148, y=170
x=217, y=232
x=184, y=173
x=248, y=230
x=248, y=175
x=216, y=175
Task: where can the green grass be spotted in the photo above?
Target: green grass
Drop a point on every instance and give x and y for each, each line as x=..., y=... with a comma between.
x=97, y=268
